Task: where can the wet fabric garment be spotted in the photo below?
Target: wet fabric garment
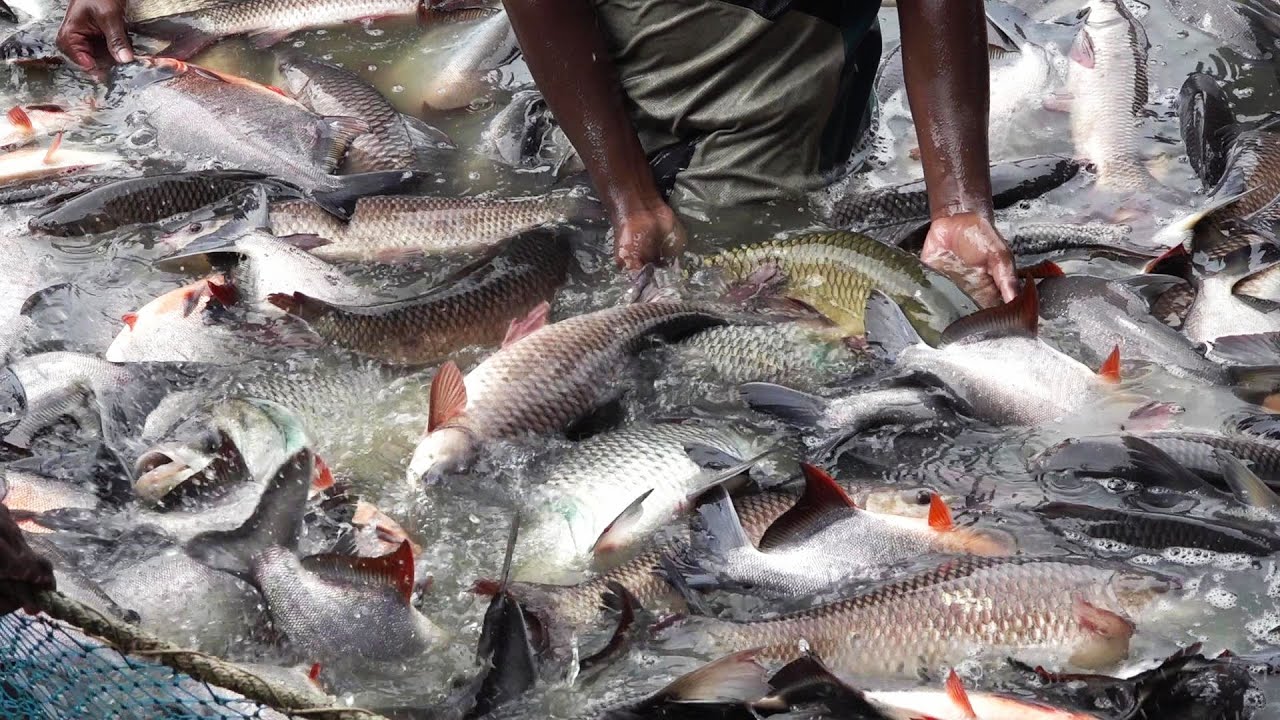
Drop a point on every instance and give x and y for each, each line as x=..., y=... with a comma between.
x=773, y=93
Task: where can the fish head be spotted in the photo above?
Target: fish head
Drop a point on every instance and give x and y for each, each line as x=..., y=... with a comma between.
x=555, y=543
x=206, y=461
x=183, y=235
x=1134, y=591
x=445, y=450
x=13, y=400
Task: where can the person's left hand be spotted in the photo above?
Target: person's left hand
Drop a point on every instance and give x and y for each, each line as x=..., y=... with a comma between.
x=22, y=571
x=969, y=249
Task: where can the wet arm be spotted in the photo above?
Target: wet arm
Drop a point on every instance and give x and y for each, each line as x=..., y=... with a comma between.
x=944, y=52
x=565, y=49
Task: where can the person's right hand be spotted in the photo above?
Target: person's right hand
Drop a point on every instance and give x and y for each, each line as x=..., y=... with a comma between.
x=22, y=571
x=93, y=34
x=641, y=237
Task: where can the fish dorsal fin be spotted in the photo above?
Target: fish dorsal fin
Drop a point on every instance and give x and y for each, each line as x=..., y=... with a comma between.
x=394, y=569
x=1245, y=483
x=53, y=149
x=822, y=497
x=448, y=395
x=1169, y=262
x=1018, y=317
x=959, y=696
x=340, y=131
x=720, y=523
x=299, y=304
x=615, y=533
x=20, y=119
x=521, y=328
x=129, y=319
x=940, y=514
x=1110, y=370
x=733, y=678
x=322, y=478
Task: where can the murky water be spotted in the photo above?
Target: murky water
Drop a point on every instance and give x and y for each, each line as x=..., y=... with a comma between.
x=1230, y=602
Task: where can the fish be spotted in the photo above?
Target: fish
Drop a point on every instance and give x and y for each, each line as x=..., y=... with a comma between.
x=146, y=200
x=29, y=494
x=265, y=265
x=240, y=440
x=1241, y=252
x=994, y=361
x=844, y=415
x=724, y=688
x=1108, y=84
x=343, y=611
x=394, y=141
x=1042, y=238
x=37, y=390
x=25, y=124
x=1105, y=314
x=186, y=324
x=1124, y=456
x=463, y=78
x=608, y=494
x=390, y=227
x=644, y=577
x=199, y=112
x=824, y=541
x=1208, y=126
x=1197, y=452
x=796, y=354
x=1157, y=531
x=52, y=190
x=835, y=272
x=541, y=382
x=474, y=307
x=890, y=213
x=143, y=10
x=265, y=22
x=72, y=581
x=1054, y=611
x=39, y=163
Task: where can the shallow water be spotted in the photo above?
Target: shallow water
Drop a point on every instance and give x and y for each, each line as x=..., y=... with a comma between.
x=1230, y=603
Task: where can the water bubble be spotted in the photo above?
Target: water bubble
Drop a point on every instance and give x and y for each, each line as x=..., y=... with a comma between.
x=1221, y=598
x=397, y=88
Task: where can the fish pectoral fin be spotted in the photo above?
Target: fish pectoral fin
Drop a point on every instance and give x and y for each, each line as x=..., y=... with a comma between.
x=1110, y=369
x=394, y=569
x=720, y=528
x=1245, y=483
x=939, y=514
x=733, y=678
x=1107, y=636
x=1082, y=52
x=614, y=535
x=263, y=39
x=423, y=135
x=522, y=327
x=338, y=132
x=822, y=502
x=959, y=696
x=448, y=395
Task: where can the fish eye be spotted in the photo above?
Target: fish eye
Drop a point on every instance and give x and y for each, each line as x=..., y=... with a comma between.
x=194, y=227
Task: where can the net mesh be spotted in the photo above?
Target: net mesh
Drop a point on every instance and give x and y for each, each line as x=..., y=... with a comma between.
x=72, y=663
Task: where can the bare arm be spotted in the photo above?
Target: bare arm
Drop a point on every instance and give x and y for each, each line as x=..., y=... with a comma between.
x=944, y=50
x=565, y=48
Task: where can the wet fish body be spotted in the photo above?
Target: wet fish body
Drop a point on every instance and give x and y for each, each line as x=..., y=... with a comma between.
x=384, y=228
x=24, y=124
x=39, y=389
x=38, y=163
x=1049, y=610
x=1108, y=83
x=186, y=324
x=545, y=381
x=1208, y=126
x=586, y=489
x=792, y=354
x=462, y=80
x=474, y=308
x=1044, y=238
x=393, y=140
x=1195, y=452
x=265, y=21
x=1158, y=531
x=147, y=199
x=835, y=273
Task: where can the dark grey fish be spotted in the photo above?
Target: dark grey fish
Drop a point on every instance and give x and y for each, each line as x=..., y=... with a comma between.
x=1159, y=531
x=1196, y=451
x=1128, y=457
x=908, y=204
x=147, y=199
x=53, y=191
x=394, y=141
x=1044, y=238
x=1208, y=125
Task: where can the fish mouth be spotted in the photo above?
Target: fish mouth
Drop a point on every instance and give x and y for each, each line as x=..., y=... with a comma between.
x=167, y=475
x=13, y=401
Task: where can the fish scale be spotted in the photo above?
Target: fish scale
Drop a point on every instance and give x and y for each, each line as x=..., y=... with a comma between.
x=472, y=309
x=835, y=272
x=946, y=614
x=792, y=354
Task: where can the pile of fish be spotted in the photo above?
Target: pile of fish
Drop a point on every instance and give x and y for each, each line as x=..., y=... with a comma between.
x=300, y=372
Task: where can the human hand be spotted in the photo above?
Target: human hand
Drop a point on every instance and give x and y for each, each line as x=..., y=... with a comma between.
x=968, y=248
x=647, y=236
x=93, y=34
x=22, y=571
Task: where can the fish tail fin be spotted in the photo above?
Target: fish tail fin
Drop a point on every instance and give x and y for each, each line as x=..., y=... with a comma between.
x=303, y=306
x=340, y=201
x=277, y=520
x=732, y=678
x=1255, y=349
x=1256, y=379
x=780, y=401
x=807, y=680
x=1245, y=483
x=888, y=327
x=1019, y=316
x=721, y=528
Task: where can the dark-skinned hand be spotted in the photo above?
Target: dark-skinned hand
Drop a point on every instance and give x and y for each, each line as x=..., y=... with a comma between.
x=93, y=35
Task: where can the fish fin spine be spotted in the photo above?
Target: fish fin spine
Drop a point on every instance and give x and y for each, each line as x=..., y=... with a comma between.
x=448, y=395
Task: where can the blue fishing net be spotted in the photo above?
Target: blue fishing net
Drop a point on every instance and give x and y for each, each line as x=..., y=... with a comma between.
x=51, y=670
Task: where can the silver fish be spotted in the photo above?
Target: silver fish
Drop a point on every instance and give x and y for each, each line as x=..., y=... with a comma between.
x=542, y=382
x=463, y=78
x=792, y=354
x=1108, y=85
x=1217, y=310
x=609, y=493
x=39, y=389
x=189, y=323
